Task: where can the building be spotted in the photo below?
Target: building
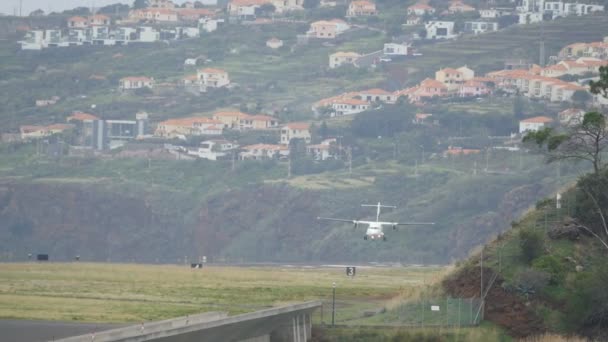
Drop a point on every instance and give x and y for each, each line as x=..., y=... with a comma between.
x=230, y=119
x=420, y=9
x=184, y=127
x=264, y=152
x=154, y=15
x=99, y=20
x=274, y=43
x=361, y=8
x=477, y=27
x=347, y=106
x=77, y=22
x=534, y=124
x=245, y=9
x=212, y=78
x=453, y=79
x=258, y=122
x=340, y=58
x=459, y=151
x=439, y=29
x=474, y=89
x=571, y=116
x=413, y=20
x=135, y=82
x=322, y=151
x=295, y=130
x=460, y=7
x=396, y=50
x=215, y=149
x=327, y=29
x=377, y=95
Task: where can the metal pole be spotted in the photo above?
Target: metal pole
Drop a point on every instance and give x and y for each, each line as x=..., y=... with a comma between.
x=459, y=305
x=333, y=305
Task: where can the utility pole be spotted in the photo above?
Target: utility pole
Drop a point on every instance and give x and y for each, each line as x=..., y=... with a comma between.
x=350, y=160
x=333, y=305
x=233, y=166
x=289, y=166
x=20, y=8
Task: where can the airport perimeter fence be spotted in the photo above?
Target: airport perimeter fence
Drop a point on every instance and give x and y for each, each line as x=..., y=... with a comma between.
x=420, y=312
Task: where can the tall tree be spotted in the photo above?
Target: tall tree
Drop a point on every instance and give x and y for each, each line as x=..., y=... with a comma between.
x=140, y=4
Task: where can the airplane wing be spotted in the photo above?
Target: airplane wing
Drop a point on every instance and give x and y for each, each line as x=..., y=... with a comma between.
x=413, y=224
x=337, y=219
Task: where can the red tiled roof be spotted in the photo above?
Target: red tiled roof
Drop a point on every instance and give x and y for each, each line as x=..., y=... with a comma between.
x=298, y=125
x=538, y=119
x=80, y=116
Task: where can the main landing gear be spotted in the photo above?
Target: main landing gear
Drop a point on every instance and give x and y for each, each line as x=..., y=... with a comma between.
x=383, y=238
x=364, y=237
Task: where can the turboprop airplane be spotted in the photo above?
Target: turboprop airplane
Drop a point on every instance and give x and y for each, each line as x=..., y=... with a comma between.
x=375, y=229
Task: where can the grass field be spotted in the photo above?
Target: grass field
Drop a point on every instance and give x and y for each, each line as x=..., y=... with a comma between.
x=131, y=293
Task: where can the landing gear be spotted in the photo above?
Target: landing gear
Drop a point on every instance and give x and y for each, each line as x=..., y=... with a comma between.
x=364, y=237
x=383, y=238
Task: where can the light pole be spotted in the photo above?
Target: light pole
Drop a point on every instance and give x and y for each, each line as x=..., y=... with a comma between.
x=422, y=160
x=333, y=304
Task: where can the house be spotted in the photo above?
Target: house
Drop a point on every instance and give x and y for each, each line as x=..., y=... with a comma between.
x=361, y=8
x=420, y=118
x=413, y=20
x=255, y=122
x=339, y=58
x=214, y=149
x=230, y=119
x=212, y=78
x=594, y=50
x=327, y=29
x=47, y=102
x=454, y=78
x=274, y=43
x=161, y=4
x=377, y=95
x=350, y=106
x=264, y=152
x=295, y=130
x=581, y=66
x=474, y=89
x=28, y=132
x=477, y=27
x=459, y=151
x=99, y=20
x=460, y=7
x=322, y=151
x=154, y=15
x=530, y=18
x=571, y=116
x=245, y=9
x=194, y=14
x=78, y=22
x=439, y=29
x=135, y=82
x=420, y=9
x=428, y=88
x=81, y=117
x=396, y=50
x=534, y=124
x=185, y=127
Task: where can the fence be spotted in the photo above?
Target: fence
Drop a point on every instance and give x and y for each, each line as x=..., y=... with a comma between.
x=422, y=312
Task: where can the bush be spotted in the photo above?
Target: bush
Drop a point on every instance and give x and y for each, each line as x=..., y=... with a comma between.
x=530, y=281
x=551, y=265
x=531, y=243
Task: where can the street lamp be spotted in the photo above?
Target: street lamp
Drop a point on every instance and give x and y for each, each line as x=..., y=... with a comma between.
x=333, y=304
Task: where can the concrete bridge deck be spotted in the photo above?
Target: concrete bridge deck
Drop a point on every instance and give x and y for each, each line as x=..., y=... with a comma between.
x=290, y=323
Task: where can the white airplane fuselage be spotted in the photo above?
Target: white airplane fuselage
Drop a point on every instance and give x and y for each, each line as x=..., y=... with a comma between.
x=374, y=231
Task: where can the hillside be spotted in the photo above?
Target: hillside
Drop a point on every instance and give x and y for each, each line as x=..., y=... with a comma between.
x=547, y=273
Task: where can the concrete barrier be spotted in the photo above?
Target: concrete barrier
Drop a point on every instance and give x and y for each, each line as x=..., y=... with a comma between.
x=290, y=323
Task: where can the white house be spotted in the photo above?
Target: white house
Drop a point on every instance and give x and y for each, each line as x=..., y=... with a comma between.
x=571, y=116
x=377, y=95
x=534, y=124
x=420, y=9
x=439, y=29
x=347, y=106
x=264, y=152
x=295, y=130
x=214, y=149
x=212, y=78
x=394, y=49
x=135, y=82
x=477, y=27
x=274, y=43
x=321, y=151
x=148, y=34
x=340, y=58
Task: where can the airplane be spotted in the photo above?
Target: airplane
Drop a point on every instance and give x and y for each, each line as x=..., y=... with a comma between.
x=375, y=228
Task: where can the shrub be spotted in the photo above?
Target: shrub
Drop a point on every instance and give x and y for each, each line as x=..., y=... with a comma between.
x=531, y=243
x=551, y=265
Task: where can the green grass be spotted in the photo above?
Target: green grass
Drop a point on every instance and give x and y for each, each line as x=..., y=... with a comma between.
x=130, y=293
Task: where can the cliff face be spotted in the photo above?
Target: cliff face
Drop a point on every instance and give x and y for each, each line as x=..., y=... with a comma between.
x=66, y=220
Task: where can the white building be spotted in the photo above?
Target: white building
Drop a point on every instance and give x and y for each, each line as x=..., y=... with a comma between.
x=148, y=34
x=477, y=27
x=439, y=30
x=214, y=149
x=295, y=130
x=339, y=58
x=348, y=106
x=394, y=49
x=534, y=124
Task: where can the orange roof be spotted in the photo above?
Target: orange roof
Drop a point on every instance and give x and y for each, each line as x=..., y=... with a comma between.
x=99, y=17
x=375, y=91
x=189, y=121
x=362, y=3
x=78, y=19
x=231, y=114
x=298, y=125
x=423, y=115
x=538, y=119
x=431, y=83
x=190, y=78
x=473, y=83
x=80, y=116
x=59, y=127
x=195, y=12
x=345, y=54
x=31, y=128
x=212, y=71
x=421, y=6
x=450, y=70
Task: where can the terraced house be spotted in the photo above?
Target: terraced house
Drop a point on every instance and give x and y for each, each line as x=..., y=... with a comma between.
x=361, y=8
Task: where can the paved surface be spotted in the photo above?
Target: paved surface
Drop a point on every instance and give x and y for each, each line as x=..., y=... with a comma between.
x=38, y=331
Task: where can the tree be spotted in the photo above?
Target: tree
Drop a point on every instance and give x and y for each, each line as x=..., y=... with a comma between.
x=137, y=4
x=585, y=141
x=601, y=86
x=198, y=4
x=581, y=97
x=309, y=4
x=518, y=107
x=531, y=243
x=265, y=10
x=82, y=11
x=114, y=8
